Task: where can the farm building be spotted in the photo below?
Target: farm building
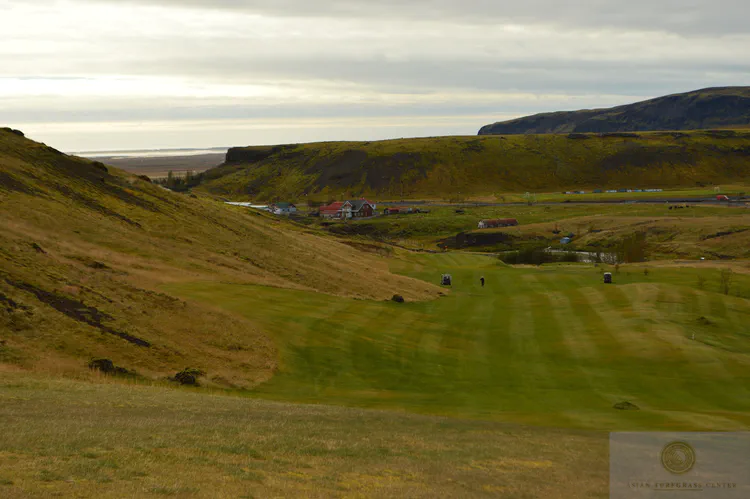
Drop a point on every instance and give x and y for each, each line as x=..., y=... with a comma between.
x=396, y=210
x=344, y=210
x=500, y=222
x=361, y=208
x=282, y=208
x=333, y=210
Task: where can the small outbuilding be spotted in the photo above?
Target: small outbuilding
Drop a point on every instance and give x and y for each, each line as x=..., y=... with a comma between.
x=499, y=222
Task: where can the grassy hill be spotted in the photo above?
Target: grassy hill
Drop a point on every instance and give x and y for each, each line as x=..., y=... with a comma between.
x=486, y=166
x=726, y=107
x=84, y=248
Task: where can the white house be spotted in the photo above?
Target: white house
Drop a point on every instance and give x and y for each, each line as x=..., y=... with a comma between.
x=283, y=208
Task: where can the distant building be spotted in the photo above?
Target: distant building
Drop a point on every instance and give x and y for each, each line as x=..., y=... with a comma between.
x=397, y=210
x=500, y=222
x=333, y=210
x=361, y=208
x=344, y=210
x=282, y=208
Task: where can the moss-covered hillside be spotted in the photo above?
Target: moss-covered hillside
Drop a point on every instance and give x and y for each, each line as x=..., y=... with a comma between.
x=464, y=167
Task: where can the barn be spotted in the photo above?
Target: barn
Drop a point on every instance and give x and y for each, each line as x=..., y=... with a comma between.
x=499, y=222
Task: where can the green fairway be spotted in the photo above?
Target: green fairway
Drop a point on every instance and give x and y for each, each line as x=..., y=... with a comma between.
x=549, y=346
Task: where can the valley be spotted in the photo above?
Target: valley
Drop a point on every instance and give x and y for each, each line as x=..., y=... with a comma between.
x=265, y=355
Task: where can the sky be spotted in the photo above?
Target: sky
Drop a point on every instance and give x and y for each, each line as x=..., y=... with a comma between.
x=87, y=75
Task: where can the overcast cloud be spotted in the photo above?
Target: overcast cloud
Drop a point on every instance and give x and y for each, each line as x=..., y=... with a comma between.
x=104, y=74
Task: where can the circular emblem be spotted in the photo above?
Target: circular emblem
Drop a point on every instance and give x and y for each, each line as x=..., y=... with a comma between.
x=678, y=458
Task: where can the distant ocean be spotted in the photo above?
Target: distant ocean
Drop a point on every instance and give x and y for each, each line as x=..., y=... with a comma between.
x=150, y=153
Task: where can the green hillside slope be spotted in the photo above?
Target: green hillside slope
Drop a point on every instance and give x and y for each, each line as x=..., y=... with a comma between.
x=84, y=248
x=702, y=109
x=461, y=167
x=549, y=346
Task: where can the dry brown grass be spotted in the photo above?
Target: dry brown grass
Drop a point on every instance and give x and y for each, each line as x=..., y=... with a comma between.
x=65, y=439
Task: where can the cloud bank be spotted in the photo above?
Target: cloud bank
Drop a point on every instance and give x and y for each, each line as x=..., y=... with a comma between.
x=193, y=73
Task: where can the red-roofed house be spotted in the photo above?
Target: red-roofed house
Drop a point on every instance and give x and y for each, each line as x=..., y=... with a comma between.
x=333, y=210
x=348, y=209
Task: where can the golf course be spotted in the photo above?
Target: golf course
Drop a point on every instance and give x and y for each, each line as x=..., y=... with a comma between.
x=156, y=343
x=550, y=346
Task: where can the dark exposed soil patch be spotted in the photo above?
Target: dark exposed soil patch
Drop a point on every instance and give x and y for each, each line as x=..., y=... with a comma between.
x=12, y=184
x=90, y=203
x=38, y=248
x=724, y=233
x=703, y=321
x=10, y=305
x=78, y=311
x=626, y=406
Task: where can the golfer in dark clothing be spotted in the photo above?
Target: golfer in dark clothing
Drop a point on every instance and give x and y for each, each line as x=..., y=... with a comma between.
x=481, y=279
